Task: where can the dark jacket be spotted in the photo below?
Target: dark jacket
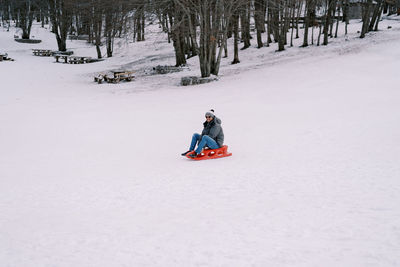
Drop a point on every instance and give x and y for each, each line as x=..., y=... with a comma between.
x=214, y=130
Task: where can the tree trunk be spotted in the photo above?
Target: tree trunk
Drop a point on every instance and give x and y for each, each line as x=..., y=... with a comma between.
x=259, y=20
x=377, y=11
x=176, y=37
x=312, y=35
x=379, y=17
x=306, y=22
x=60, y=15
x=193, y=35
x=346, y=15
x=366, y=18
x=223, y=43
x=299, y=9
x=293, y=23
x=97, y=32
x=281, y=26
x=327, y=22
x=26, y=13
x=143, y=24
x=235, y=22
x=332, y=18
x=245, y=26
x=337, y=22
x=108, y=32
x=319, y=34
x=268, y=25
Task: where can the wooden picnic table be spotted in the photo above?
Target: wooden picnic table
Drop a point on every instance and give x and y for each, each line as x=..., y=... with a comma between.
x=118, y=75
x=119, y=72
x=58, y=56
x=42, y=52
x=78, y=59
x=66, y=53
x=72, y=59
x=3, y=57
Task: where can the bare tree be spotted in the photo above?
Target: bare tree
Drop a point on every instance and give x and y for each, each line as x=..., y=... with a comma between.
x=329, y=7
x=25, y=11
x=235, y=23
x=61, y=18
x=259, y=18
x=366, y=17
x=308, y=19
x=214, y=18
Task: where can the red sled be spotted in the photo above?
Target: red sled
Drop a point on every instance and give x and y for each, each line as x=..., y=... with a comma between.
x=211, y=153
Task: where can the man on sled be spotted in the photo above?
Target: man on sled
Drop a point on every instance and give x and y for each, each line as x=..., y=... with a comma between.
x=212, y=137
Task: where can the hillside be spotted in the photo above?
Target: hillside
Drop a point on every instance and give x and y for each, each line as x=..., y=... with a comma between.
x=91, y=175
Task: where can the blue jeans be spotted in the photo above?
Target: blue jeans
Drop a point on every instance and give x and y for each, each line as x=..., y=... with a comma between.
x=205, y=141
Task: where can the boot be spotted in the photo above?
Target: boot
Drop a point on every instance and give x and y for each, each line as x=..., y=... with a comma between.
x=185, y=153
x=194, y=155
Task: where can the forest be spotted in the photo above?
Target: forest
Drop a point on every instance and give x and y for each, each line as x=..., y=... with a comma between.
x=197, y=27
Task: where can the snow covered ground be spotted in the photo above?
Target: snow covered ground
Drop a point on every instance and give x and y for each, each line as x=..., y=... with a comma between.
x=90, y=175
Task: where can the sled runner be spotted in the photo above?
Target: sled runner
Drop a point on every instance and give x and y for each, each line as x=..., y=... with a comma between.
x=211, y=153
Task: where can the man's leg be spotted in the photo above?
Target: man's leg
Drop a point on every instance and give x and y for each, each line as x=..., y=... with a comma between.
x=195, y=138
x=206, y=141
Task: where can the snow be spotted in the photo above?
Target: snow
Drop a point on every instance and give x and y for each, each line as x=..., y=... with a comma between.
x=90, y=175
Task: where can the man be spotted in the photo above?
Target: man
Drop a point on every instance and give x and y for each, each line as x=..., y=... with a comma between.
x=212, y=135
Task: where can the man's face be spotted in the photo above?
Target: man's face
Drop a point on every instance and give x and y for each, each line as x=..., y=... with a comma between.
x=209, y=118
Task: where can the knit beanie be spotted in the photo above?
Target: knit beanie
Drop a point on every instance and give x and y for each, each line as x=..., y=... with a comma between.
x=210, y=113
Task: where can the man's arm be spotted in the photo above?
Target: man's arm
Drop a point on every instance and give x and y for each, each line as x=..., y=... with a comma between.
x=214, y=131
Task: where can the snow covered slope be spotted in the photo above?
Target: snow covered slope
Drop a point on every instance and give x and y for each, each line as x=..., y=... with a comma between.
x=90, y=175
